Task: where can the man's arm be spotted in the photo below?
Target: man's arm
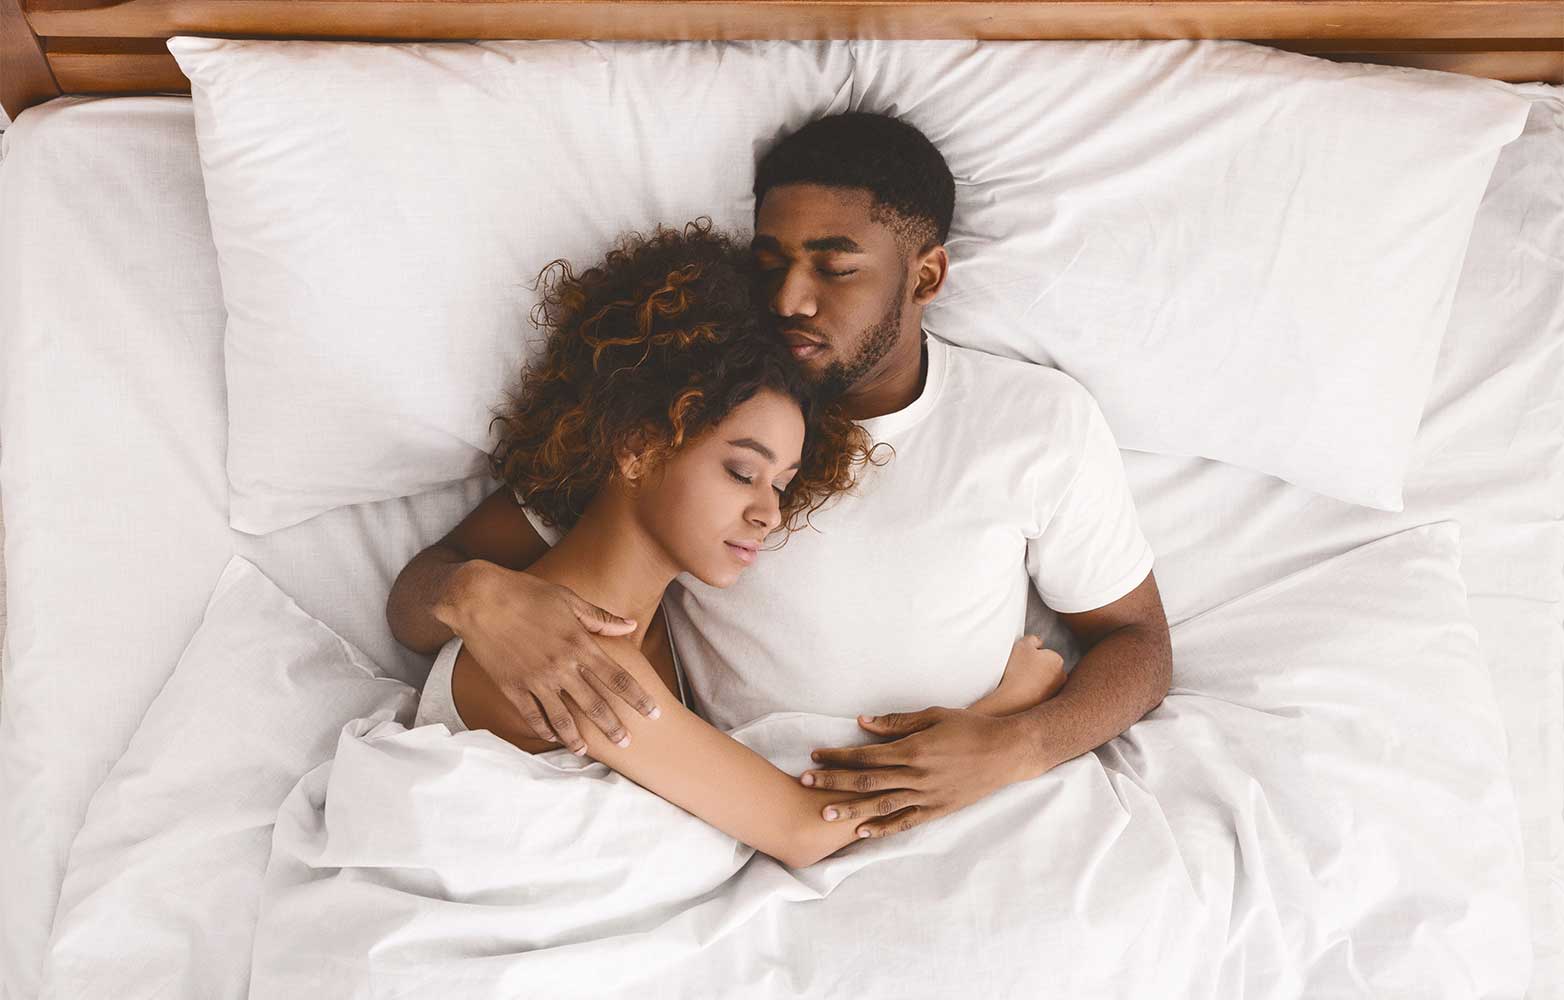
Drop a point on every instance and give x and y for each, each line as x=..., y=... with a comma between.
x=957, y=757
x=435, y=583
x=1126, y=671
x=532, y=639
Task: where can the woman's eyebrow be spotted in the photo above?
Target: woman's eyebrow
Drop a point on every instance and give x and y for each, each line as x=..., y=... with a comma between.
x=756, y=446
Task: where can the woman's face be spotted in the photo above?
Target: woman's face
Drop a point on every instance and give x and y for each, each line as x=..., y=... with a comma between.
x=713, y=502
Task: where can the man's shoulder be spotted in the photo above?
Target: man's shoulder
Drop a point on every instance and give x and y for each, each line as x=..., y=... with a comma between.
x=1025, y=385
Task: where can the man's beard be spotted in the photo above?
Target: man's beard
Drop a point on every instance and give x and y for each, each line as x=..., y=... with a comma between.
x=878, y=342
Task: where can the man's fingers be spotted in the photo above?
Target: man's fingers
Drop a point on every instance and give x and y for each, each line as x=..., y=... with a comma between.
x=870, y=806
x=892, y=754
x=597, y=708
x=531, y=714
x=897, y=822
x=595, y=619
x=563, y=724
x=609, y=673
x=878, y=779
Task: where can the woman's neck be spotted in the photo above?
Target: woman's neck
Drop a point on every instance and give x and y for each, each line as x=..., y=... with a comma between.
x=609, y=561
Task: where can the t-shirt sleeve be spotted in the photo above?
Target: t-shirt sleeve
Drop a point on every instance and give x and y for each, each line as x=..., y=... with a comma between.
x=548, y=533
x=1090, y=550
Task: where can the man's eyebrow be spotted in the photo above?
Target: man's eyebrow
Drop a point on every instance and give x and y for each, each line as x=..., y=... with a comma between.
x=841, y=244
x=756, y=446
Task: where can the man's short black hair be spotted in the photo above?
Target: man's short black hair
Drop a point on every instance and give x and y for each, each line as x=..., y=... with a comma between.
x=892, y=160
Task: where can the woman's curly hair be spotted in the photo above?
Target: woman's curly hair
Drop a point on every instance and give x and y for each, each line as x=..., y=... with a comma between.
x=646, y=351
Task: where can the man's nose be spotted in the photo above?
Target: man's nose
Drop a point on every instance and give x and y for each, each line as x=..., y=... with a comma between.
x=794, y=295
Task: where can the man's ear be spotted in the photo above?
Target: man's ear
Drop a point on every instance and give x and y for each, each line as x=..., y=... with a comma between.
x=933, y=264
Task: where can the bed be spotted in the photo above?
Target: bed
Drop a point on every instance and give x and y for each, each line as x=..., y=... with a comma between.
x=113, y=420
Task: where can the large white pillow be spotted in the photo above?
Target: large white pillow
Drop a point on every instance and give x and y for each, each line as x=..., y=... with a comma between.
x=381, y=211
x=1273, y=244
x=162, y=888
x=1244, y=254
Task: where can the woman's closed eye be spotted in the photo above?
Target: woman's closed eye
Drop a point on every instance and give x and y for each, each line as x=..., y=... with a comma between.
x=750, y=480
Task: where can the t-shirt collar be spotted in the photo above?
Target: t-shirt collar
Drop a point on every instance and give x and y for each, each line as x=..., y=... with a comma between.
x=887, y=424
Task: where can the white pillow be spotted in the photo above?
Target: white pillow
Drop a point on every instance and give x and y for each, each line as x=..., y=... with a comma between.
x=1244, y=254
x=162, y=887
x=380, y=212
x=1274, y=239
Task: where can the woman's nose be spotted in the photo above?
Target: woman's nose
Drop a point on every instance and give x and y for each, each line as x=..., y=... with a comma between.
x=767, y=513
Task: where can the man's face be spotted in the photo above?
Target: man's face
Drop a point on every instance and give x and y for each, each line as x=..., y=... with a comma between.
x=834, y=279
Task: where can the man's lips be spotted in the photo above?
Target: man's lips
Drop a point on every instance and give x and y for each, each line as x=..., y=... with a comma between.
x=802, y=346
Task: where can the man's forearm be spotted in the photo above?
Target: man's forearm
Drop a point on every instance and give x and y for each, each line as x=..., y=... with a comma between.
x=420, y=607
x=1121, y=678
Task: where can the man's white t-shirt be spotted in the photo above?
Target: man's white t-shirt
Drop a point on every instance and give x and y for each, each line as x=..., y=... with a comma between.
x=909, y=591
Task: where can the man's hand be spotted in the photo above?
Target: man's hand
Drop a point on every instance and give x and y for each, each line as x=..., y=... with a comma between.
x=534, y=641
x=946, y=759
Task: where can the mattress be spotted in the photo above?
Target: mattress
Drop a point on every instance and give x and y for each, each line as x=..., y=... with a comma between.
x=112, y=436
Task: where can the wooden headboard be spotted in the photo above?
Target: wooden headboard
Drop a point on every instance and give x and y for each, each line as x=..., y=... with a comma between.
x=53, y=47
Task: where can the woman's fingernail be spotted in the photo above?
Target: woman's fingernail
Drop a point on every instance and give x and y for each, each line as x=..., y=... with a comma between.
x=830, y=814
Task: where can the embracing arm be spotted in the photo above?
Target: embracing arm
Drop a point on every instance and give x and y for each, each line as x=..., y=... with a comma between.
x=1125, y=672
x=708, y=773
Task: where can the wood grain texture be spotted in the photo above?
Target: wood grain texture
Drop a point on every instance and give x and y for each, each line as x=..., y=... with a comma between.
x=25, y=79
x=676, y=19
x=116, y=46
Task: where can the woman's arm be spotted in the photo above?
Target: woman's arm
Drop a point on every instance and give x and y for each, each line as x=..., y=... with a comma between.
x=706, y=772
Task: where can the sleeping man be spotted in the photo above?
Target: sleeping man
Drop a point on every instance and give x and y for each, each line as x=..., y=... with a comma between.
x=902, y=597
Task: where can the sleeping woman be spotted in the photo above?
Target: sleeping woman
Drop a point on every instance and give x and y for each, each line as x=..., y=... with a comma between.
x=667, y=431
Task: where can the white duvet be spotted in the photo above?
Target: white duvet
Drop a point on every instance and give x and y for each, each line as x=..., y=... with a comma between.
x=1319, y=808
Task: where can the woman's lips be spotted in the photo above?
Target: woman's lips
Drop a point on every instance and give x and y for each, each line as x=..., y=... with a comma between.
x=742, y=553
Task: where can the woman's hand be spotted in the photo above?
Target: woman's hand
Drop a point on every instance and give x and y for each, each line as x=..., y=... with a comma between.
x=534, y=641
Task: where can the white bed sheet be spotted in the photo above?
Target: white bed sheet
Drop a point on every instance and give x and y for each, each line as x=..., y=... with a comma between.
x=111, y=474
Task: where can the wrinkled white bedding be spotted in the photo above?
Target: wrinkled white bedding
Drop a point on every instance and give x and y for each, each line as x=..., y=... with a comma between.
x=1261, y=834
x=112, y=422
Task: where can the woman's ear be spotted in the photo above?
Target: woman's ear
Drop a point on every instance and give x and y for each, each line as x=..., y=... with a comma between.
x=631, y=460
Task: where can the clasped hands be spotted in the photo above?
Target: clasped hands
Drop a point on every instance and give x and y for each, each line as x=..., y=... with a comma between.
x=939, y=760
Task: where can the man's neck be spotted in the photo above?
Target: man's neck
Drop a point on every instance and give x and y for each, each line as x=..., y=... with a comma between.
x=902, y=381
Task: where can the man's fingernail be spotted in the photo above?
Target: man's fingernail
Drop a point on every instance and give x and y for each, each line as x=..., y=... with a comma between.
x=809, y=779
x=867, y=718
x=580, y=751
x=863, y=833
x=830, y=814
x=622, y=742
x=656, y=713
